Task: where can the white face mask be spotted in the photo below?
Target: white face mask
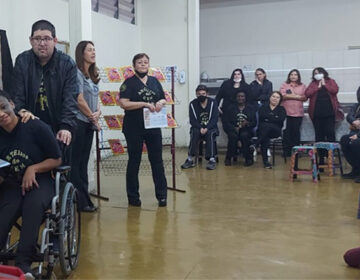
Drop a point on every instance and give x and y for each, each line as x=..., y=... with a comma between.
x=319, y=76
x=237, y=80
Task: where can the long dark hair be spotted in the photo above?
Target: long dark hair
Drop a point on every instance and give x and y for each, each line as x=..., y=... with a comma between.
x=321, y=70
x=79, y=56
x=299, y=77
x=233, y=74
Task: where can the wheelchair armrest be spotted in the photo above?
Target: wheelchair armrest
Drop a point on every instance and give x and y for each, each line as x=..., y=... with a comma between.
x=63, y=169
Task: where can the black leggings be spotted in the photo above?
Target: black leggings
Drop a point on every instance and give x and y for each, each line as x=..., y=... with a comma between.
x=351, y=150
x=209, y=137
x=80, y=158
x=324, y=131
x=265, y=132
x=244, y=135
x=153, y=141
x=292, y=133
x=31, y=207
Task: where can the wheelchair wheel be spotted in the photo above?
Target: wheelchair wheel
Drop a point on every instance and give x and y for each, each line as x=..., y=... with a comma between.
x=69, y=230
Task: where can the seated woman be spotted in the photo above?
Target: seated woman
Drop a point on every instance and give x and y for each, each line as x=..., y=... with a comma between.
x=240, y=119
x=271, y=120
x=26, y=186
x=350, y=143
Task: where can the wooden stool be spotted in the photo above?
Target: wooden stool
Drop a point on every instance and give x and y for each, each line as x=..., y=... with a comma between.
x=331, y=148
x=294, y=170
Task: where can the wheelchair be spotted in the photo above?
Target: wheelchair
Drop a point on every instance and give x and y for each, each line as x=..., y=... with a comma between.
x=60, y=233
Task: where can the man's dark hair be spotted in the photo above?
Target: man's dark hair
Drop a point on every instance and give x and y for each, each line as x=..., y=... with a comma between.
x=6, y=95
x=43, y=25
x=202, y=87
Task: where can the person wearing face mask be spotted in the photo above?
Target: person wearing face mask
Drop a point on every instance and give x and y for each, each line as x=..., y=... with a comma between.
x=322, y=93
x=260, y=89
x=203, y=115
x=136, y=93
x=240, y=122
x=293, y=92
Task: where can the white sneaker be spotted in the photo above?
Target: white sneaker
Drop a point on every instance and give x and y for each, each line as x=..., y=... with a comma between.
x=29, y=276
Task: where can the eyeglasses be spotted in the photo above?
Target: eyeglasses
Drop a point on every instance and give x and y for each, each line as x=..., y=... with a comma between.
x=38, y=40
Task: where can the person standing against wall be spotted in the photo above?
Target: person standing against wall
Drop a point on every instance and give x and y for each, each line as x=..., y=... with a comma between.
x=293, y=92
x=136, y=93
x=87, y=121
x=322, y=92
x=260, y=89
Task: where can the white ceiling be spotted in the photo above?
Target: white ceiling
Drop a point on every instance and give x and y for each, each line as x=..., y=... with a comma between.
x=226, y=3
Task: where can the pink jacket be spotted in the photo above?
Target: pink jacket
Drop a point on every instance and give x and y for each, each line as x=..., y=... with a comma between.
x=294, y=108
x=311, y=92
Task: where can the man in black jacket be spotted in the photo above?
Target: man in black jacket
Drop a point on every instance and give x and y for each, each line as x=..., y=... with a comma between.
x=45, y=82
x=350, y=143
x=203, y=114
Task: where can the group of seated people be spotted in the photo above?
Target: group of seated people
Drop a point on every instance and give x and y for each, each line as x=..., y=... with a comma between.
x=253, y=114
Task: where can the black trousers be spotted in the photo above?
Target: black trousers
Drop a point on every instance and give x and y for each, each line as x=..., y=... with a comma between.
x=351, y=150
x=31, y=207
x=196, y=136
x=244, y=135
x=81, y=148
x=266, y=131
x=324, y=131
x=292, y=133
x=153, y=141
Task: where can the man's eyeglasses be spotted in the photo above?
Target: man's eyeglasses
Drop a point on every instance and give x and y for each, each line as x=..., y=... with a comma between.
x=38, y=40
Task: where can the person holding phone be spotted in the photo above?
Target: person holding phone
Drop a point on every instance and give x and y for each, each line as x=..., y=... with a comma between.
x=293, y=93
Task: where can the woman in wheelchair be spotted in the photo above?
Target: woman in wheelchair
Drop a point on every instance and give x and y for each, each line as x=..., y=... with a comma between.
x=26, y=186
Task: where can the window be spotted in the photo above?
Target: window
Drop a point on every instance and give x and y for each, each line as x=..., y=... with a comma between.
x=120, y=9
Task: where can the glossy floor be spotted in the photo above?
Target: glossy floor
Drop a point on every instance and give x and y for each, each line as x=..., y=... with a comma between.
x=232, y=223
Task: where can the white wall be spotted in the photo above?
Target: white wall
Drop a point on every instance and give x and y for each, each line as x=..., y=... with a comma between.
x=17, y=16
x=282, y=35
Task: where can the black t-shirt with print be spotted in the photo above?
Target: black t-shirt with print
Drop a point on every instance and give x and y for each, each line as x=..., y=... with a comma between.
x=42, y=105
x=135, y=90
x=29, y=143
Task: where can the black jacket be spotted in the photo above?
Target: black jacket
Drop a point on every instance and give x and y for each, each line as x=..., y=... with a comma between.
x=268, y=116
x=354, y=113
x=60, y=81
x=231, y=117
x=203, y=117
x=6, y=62
x=260, y=92
x=227, y=92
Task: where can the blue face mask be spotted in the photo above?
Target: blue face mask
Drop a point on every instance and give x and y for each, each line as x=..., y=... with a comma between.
x=201, y=98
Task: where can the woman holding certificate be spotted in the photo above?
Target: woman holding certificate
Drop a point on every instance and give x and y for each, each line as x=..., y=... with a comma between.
x=137, y=94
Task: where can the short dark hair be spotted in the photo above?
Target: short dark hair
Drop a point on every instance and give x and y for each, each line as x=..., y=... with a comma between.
x=43, y=25
x=6, y=95
x=202, y=87
x=138, y=56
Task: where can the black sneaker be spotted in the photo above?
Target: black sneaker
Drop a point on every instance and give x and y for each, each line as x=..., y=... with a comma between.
x=211, y=165
x=249, y=162
x=135, y=203
x=188, y=164
x=162, y=202
x=350, y=175
x=227, y=162
x=267, y=165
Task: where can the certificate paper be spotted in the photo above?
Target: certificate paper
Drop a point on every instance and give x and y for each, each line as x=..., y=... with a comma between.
x=3, y=163
x=155, y=119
